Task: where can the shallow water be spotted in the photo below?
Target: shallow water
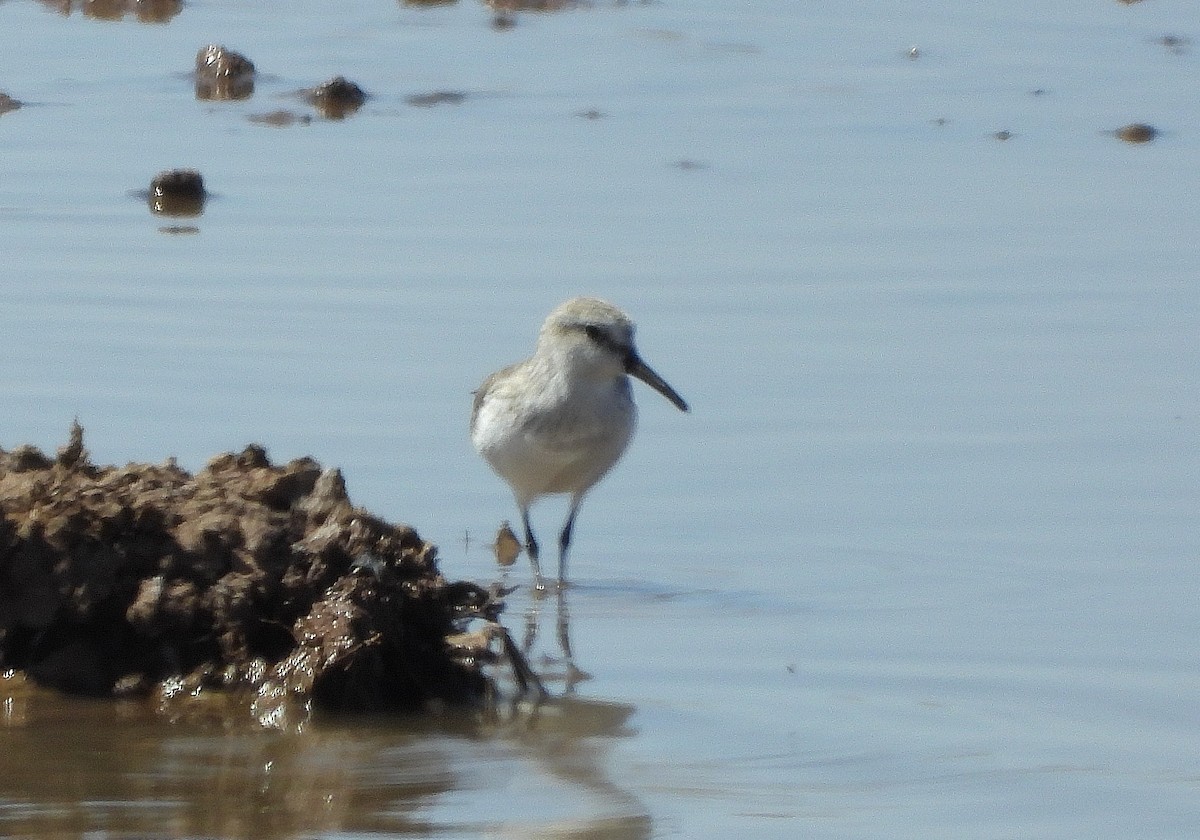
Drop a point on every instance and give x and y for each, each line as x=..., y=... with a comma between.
x=920, y=563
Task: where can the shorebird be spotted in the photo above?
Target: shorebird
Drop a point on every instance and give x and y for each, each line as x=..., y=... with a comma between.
x=557, y=422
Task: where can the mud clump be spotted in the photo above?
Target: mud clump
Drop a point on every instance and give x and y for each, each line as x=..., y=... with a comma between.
x=336, y=99
x=222, y=74
x=249, y=580
x=1136, y=133
x=146, y=11
x=177, y=192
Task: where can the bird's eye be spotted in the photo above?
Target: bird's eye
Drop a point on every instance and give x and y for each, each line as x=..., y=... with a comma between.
x=595, y=334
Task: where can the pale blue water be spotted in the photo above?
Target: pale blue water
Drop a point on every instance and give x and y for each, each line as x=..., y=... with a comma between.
x=922, y=562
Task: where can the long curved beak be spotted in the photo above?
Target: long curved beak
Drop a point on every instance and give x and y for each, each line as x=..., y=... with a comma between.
x=634, y=366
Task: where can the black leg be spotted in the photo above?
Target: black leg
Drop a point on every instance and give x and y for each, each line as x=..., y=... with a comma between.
x=564, y=542
x=531, y=547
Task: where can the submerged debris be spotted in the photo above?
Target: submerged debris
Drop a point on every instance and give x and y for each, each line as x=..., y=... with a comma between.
x=254, y=581
x=281, y=118
x=437, y=97
x=509, y=6
x=1175, y=43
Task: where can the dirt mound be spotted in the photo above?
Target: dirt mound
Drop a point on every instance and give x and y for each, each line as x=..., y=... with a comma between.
x=261, y=581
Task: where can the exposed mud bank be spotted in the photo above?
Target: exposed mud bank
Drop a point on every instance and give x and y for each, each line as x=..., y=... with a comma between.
x=250, y=579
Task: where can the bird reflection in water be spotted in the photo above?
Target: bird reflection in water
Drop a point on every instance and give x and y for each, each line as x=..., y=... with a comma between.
x=558, y=667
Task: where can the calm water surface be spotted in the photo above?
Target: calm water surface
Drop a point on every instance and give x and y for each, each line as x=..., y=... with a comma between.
x=921, y=563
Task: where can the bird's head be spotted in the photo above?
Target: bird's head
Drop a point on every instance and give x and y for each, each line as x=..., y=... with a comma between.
x=600, y=335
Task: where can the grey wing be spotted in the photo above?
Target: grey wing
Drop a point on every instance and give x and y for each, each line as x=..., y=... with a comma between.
x=481, y=393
